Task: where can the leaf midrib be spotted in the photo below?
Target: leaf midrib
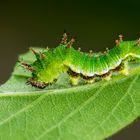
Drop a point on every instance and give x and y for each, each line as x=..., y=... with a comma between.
x=60, y=91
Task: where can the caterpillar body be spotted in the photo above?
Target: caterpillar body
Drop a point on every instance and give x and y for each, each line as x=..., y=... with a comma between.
x=88, y=66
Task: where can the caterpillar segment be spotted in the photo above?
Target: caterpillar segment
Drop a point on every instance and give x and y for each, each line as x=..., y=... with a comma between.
x=89, y=66
x=74, y=77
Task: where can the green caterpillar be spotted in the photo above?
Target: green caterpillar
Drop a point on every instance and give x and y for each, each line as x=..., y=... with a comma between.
x=88, y=66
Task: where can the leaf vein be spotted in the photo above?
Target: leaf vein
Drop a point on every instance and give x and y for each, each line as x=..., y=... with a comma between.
x=72, y=113
x=111, y=112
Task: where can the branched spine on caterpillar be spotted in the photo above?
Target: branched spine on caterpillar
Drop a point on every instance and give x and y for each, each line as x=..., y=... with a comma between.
x=89, y=66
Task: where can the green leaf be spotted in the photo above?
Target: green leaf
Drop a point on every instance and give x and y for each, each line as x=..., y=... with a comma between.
x=61, y=112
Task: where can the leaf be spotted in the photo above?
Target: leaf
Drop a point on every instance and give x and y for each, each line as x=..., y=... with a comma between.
x=61, y=112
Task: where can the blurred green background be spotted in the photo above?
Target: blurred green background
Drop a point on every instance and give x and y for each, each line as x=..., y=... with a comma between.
x=95, y=24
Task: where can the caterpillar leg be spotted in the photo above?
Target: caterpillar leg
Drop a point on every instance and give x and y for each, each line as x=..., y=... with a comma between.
x=124, y=68
x=106, y=76
x=74, y=80
x=74, y=77
x=36, y=83
x=88, y=79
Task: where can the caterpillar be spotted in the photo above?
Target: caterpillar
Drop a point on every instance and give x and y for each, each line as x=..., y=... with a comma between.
x=89, y=66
